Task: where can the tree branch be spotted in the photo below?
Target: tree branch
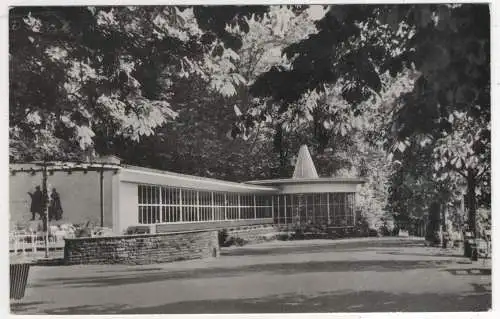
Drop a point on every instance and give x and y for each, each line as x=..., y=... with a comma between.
x=479, y=175
x=458, y=171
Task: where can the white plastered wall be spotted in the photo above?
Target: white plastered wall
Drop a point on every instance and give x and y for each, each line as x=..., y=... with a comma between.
x=127, y=206
x=319, y=188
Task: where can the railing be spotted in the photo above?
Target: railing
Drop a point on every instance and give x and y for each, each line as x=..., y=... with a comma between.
x=25, y=241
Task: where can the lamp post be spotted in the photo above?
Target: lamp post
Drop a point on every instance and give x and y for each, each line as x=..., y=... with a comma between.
x=45, y=202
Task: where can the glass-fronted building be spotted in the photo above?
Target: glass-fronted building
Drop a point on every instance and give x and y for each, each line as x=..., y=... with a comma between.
x=126, y=196
x=163, y=204
x=305, y=198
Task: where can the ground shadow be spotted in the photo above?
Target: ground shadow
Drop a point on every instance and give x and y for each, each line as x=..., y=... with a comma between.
x=274, y=268
x=132, y=269
x=469, y=272
x=49, y=262
x=482, y=288
x=87, y=310
x=345, y=301
x=16, y=307
x=437, y=254
x=326, y=247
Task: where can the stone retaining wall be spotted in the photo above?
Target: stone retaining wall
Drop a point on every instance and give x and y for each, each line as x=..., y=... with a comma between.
x=142, y=249
x=252, y=234
x=221, y=224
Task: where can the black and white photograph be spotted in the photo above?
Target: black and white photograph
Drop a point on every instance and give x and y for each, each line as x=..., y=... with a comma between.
x=249, y=158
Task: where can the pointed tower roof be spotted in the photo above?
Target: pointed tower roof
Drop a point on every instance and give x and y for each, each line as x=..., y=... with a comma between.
x=304, y=168
x=306, y=180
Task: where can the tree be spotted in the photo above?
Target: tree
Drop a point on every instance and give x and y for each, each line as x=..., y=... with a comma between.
x=262, y=50
x=198, y=142
x=451, y=98
x=447, y=44
x=82, y=74
x=464, y=153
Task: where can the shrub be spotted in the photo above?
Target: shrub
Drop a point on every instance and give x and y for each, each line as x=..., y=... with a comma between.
x=388, y=229
x=233, y=241
x=239, y=241
x=83, y=232
x=483, y=221
x=372, y=232
x=222, y=235
x=269, y=237
x=283, y=236
x=225, y=240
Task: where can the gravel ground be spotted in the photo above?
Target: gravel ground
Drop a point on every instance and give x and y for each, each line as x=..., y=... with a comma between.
x=297, y=276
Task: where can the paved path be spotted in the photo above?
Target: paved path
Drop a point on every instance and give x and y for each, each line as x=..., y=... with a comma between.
x=299, y=276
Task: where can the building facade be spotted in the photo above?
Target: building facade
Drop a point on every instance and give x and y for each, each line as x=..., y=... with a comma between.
x=120, y=196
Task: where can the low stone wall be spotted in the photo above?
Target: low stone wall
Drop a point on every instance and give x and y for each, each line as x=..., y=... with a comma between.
x=221, y=224
x=252, y=234
x=142, y=249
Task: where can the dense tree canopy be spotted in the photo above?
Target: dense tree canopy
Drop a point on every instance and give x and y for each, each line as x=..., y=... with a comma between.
x=78, y=72
x=399, y=94
x=449, y=106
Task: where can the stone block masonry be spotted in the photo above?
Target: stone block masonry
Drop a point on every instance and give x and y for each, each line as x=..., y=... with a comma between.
x=142, y=249
x=221, y=224
x=253, y=234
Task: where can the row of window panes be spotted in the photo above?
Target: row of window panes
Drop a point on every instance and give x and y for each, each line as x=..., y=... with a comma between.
x=161, y=205
x=158, y=204
x=338, y=208
x=169, y=214
x=151, y=194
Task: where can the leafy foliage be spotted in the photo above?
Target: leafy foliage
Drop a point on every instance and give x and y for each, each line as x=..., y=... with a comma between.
x=448, y=45
x=399, y=94
x=82, y=72
x=198, y=141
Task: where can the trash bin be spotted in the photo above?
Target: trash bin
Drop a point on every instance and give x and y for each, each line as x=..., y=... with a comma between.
x=469, y=240
x=472, y=250
x=18, y=279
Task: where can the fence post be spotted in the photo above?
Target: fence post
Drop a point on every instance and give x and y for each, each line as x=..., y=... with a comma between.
x=33, y=242
x=16, y=242
x=24, y=244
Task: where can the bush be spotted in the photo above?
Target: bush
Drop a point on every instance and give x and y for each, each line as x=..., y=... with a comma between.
x=269, y=237
x=226, y=241
x=283, y=236
x=455, y=235
x=234, y=241
x=222, y=235
x=102, y=232
x=83, y=233
x=483, y=221
x=239, y=241
x=372, y=232
x=387, y=230
x=297, y=235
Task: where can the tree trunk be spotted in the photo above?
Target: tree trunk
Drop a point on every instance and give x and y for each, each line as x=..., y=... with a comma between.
x=434, y=224
x=444, y=215
x=321, y=135
x=471, y=201
x=444, y=228
x=278, y=146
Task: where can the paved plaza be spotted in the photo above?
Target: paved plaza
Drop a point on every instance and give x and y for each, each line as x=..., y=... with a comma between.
x=301, y=276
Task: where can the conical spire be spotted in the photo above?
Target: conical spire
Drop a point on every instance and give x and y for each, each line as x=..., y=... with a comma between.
x=304, y=168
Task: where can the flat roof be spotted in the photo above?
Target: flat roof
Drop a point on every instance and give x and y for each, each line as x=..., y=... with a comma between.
x=320, y=180
x=268, y=185
x=191, y=181
x=202, y=182
x=60, y=166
